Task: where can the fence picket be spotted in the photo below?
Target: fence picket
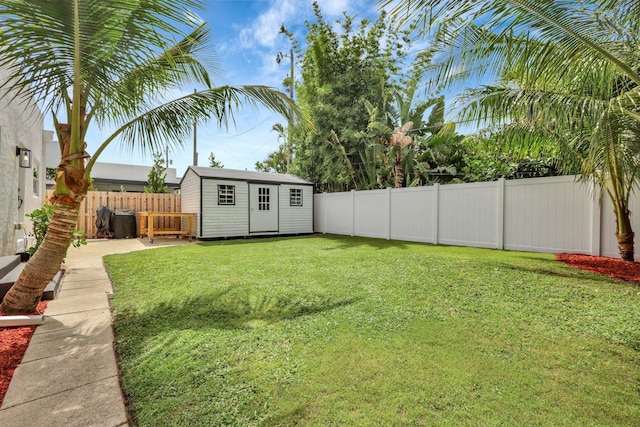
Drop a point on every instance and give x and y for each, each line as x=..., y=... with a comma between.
x=138, y=202
x=553, y=214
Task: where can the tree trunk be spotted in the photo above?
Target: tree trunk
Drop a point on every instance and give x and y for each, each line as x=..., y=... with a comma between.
x=398, y=170
x=25, y=294
x=624, y=231
x=624, y=234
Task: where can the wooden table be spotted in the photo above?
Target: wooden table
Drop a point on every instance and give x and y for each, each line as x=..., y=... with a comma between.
x=146, y=224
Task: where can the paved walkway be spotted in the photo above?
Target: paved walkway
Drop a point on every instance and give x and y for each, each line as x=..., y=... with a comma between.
x=69, y=375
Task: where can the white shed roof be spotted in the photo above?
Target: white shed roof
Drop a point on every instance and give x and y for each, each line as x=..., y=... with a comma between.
x=240, y=175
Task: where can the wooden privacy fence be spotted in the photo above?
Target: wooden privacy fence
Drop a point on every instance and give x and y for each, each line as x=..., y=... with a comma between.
x=138, y=202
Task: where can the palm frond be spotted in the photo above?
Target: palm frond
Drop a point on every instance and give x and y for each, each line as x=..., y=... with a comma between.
x=40, y=41
x=171, y=123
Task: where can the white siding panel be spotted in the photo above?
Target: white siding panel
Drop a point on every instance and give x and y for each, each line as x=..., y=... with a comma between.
x=339, y=213
x=296, y=219
x=412, y=214
x=224, y=220
x=547, y=215
x=190, y=197
x=372, y=213
x=468, y=214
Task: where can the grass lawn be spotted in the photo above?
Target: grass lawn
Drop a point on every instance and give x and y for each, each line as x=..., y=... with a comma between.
x=328, y=330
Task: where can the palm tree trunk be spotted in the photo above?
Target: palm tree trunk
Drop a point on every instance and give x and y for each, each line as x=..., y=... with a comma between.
x=624, y=234
x=398, y=170
x=25, y=294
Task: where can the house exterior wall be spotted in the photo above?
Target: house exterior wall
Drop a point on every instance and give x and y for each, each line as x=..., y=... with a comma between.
x=296, y=219
x=190, y=197
x=20, y=125
x=224, y=220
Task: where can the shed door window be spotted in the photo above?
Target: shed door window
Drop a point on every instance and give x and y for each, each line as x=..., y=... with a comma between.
x=264, y=199
x=226, y=194
x=295, y=197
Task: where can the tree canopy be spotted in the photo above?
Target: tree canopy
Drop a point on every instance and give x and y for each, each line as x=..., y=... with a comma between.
x=111, y=64
x=556, y=74
x=157, y=176
x=344, y=69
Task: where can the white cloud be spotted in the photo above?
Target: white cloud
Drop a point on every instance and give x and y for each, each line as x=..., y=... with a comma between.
x=333, y=8
x=266, y=27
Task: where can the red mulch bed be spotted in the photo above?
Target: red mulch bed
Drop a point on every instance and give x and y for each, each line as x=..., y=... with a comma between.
x=13, y=344
x=612, y=267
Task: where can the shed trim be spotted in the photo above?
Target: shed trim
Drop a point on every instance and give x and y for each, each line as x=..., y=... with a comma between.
x=201, y=206
x=251, y=181
x=249, y=176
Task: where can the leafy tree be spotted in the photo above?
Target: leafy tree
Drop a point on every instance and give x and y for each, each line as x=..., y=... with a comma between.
x=434, y=151
x=275, y=162
x=485, y=158
x=157, y=176
x=566, y=75
x=213, y=163
x=107, y=63
x=342, y=71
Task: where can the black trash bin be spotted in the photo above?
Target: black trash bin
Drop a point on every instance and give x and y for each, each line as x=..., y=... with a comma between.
x=103, y=222
x=123, y=224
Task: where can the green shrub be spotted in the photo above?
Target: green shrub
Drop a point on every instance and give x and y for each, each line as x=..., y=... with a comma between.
x=41, y=218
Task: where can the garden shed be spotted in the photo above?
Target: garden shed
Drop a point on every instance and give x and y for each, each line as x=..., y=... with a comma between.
x=235, y=203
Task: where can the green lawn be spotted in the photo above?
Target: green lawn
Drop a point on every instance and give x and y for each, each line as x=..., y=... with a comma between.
x=328, y=330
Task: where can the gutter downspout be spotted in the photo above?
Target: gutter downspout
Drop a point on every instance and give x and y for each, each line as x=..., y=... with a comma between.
x=12, y=321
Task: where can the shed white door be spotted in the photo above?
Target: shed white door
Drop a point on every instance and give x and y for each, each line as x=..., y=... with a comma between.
x=263, y=205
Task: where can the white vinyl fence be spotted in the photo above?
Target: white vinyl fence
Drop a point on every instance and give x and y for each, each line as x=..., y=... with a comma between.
x=556, y=214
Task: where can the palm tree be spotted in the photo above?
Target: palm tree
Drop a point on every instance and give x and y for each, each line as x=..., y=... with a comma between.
x=400, y=143
x=110, y=64
x=566, y=75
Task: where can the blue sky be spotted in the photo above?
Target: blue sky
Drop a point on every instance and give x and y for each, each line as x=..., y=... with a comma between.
x=246, y=41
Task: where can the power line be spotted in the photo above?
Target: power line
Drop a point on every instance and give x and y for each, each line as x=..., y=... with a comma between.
x=248, y=130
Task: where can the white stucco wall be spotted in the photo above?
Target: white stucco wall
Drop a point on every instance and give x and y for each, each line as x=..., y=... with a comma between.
x=20, y=125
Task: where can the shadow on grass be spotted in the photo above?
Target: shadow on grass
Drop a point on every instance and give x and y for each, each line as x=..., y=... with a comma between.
x=246, y=240
x=555, y=268
x=342, y=241
x=226, y=310
x=349, y=242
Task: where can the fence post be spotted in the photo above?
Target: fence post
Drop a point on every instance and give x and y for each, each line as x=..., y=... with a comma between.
x=500, y=214
x=389, y=207
x=324, y=213
x=596, y=219
x=353, y=213
x=436, y=210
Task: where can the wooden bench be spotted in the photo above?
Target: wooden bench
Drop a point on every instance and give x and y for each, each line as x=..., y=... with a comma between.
x=146, y=224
